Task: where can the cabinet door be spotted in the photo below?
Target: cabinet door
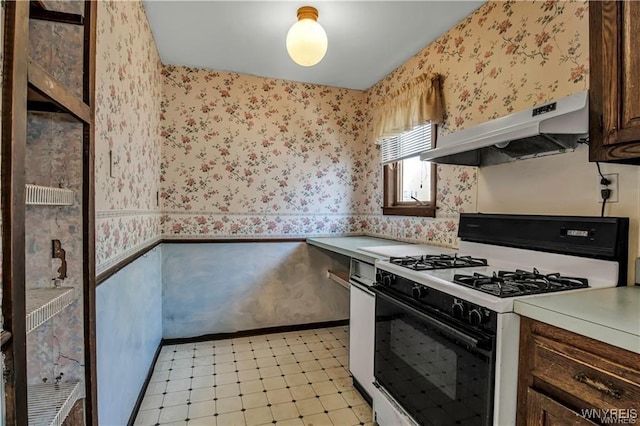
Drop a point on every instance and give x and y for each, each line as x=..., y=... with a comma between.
x=614, y=80
x=544, y=411
x=361, y=336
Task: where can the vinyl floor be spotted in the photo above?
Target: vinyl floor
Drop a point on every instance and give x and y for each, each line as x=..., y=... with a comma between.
x=293, y=378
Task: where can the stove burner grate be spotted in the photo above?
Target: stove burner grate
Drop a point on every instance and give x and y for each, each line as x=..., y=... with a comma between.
x=519, y=282
x=438, y=261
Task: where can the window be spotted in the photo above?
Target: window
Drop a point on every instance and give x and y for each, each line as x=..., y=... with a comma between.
x=409, y=184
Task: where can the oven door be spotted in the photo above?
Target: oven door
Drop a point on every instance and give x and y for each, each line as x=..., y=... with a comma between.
x=440, y=372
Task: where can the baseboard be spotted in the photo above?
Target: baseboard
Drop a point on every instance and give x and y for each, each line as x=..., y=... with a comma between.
x=362, y=392
x=255, y=332
x=143, y=390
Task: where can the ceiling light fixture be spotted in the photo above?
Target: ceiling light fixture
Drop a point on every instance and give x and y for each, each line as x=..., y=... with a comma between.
x=306, y=39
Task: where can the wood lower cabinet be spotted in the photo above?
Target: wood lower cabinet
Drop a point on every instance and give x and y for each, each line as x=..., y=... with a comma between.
x=568, y=379
x=542, y=410
x=614, y=92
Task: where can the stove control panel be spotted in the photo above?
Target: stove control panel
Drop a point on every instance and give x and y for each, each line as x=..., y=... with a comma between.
x=387, y=279
x=442, y=303
x=414, y=290
x=459, y=309
x=419, y=291
x=469, y=313
x=475, y=317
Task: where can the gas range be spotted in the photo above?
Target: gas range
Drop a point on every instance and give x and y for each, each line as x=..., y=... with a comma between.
x=469, y=297
x=502, y=262
x=509, y=283
x=502, y=283
x=505, y=257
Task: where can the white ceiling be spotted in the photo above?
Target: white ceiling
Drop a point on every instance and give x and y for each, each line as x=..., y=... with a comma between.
x=367, y=39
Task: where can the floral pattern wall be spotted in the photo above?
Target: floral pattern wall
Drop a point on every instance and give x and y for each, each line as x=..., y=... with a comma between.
x=248, y=156
x=504, y=57
x=127, y=168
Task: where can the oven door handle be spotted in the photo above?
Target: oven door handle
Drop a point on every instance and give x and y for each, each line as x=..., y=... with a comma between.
x=435, y=323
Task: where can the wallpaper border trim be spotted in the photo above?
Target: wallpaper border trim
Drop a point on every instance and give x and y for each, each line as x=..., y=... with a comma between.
x=111, y=271
x=253, y=238
x=103, y=214
x=108, y=272
x=115, y=260
x=224, y=213
x=105, y=275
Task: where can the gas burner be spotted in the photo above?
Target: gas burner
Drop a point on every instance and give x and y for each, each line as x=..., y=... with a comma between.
x=519, y=282
x=437, y=261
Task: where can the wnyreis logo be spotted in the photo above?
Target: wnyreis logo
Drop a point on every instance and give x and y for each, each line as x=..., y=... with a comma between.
x=627, y=416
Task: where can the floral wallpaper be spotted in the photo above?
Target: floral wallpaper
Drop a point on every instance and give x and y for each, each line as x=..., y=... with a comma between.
x=246, y=155
x=505, y=57
x=456, y=193
x=128, y=95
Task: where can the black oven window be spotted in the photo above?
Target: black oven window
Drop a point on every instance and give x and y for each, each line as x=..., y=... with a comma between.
x=438, y=380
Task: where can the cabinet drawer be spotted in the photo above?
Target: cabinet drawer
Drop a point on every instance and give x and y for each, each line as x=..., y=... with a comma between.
x=598, y=381
x=542, y=411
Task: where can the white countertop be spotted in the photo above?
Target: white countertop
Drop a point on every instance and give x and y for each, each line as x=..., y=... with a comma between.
x=350, y=246
x=407, y=250
x=369, y=249
x=609, y=315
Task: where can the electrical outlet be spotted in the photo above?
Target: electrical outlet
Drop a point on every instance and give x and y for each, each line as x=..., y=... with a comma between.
x=613, y=186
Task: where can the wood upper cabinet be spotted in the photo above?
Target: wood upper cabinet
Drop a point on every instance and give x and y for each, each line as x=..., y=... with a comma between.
x=614, y=94
x=568, y=379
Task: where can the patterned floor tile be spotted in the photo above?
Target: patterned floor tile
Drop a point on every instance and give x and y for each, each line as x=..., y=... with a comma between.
x=294, y=378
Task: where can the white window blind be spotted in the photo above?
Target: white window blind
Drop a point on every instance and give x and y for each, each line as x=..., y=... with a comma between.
x=407, y=144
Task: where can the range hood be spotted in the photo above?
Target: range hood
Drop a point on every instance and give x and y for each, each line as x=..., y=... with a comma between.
x=548, y=129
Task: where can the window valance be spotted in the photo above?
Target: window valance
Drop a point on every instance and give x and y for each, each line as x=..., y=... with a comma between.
x=417, y=102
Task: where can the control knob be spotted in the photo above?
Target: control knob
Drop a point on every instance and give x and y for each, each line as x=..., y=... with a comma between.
x=458, y=309
x=475, y=317
x=388, y=280
x=419, y=291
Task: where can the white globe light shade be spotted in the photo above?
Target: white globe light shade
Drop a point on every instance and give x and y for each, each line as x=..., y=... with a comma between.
x=306, y=42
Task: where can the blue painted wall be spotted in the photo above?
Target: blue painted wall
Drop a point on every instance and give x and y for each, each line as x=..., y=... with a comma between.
x=227, y=287
x=129, y=330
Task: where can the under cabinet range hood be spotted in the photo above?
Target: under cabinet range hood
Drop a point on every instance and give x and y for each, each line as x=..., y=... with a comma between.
x=548, y=129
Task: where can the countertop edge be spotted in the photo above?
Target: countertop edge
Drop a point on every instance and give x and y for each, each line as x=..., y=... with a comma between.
x=593, y=330
x=356, y=254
